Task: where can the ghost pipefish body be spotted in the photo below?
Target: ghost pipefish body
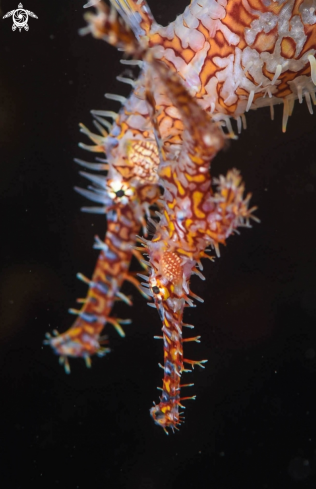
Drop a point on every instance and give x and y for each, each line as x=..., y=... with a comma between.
x=231, y=57
x=229, y=67
x=174, y=254
x=192, y=219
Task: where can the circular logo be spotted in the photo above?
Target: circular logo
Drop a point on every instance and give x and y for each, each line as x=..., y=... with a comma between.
x=20, y=19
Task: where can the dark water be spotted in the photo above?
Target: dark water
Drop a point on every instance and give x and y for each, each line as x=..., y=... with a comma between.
x=253, y=422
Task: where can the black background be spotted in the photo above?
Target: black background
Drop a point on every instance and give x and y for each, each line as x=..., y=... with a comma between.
x=253, y=422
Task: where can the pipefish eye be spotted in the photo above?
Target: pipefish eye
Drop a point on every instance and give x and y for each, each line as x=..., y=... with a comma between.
x=161, y=293
x=120, y=193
